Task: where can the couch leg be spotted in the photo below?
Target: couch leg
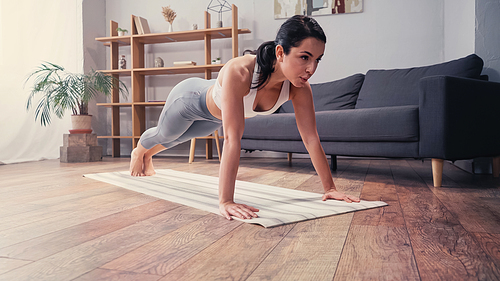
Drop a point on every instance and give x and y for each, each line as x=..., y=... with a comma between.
x=333, y=160
x=496, y=166
x=437, y=171
x=289, y=157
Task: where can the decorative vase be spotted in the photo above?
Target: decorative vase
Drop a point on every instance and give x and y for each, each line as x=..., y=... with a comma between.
x=218, y=24
x=170, y=29
x=159, y=62
x=81, y=124
x=122, y=63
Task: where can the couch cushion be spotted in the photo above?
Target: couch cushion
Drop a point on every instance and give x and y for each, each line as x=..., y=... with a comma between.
x=339, y=94
x=386, y=124
x=397, y=87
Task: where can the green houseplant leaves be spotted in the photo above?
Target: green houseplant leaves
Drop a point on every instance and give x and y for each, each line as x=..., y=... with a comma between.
x=61, y=90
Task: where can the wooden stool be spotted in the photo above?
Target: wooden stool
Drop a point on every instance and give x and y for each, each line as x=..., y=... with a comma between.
x=215, y=136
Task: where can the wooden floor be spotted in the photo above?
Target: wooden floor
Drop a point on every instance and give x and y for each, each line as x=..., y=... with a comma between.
x=57, y=225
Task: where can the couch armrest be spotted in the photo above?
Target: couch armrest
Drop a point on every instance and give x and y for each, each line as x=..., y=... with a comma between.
x=459, y=118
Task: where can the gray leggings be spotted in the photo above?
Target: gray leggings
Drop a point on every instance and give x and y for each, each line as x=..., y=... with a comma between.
x=184, y=116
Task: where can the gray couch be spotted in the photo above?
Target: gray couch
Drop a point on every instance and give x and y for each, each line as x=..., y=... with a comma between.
x=445, y=111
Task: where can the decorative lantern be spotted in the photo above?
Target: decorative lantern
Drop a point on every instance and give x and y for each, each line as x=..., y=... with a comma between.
x=219, y=6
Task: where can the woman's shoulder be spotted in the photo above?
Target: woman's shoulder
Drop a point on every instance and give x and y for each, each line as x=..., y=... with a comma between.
x=239, y=67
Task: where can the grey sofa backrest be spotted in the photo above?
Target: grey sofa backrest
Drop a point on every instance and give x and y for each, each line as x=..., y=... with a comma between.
x=334, y=95
x=397, y=87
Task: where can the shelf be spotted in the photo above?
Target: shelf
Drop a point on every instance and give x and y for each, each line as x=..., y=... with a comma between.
x=121, y=72
x=190, y=69
x=121, y=40
x=170, y=37
x=190, y=35
x=111, y=104
x=140, y=69
x=150, y=103
x=144, y=103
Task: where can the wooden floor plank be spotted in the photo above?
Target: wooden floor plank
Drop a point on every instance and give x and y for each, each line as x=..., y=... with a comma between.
x=76, y=261
x=8, y=264
x=252, y=171
x=114, y=275
x=55, y=206
x=234, y=257
x=310, y=251
x=378, y=246
x=480, y=185
x=96, y=210
x=377, y=253
x=475, y=213
x=135, y=235
x=351, y=181
x=443, y=249
x=44, y=246
x=490, y=243
x=379, y=186
x=166, y=253
x=294, y=178
x=38, y=193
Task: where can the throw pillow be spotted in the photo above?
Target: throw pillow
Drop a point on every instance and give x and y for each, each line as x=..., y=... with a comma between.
x=398, y=87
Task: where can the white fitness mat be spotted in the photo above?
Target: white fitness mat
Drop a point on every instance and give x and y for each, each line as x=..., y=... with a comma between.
x=277, y=205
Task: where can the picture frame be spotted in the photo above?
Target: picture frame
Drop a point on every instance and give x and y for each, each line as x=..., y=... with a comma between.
x=287, y=8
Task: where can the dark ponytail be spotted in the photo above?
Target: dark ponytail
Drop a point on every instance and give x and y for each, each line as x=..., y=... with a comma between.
x=266, y=58
x=291, y=33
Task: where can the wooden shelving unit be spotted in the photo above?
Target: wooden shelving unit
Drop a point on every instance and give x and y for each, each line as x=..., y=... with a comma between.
x=138, y=72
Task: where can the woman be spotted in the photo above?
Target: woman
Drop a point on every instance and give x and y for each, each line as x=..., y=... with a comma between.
x=246, y=86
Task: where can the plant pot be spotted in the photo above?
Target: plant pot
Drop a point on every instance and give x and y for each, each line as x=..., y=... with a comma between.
x=121, y=33
x=81, y=124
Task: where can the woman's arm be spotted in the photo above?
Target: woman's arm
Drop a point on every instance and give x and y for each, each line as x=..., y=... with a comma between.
x=306, y=123
x=235, y=84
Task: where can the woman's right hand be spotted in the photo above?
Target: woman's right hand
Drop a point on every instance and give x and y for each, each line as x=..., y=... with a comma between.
x=241, y=211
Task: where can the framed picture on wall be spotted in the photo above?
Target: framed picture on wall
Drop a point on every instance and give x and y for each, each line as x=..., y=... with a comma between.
x=287, y=8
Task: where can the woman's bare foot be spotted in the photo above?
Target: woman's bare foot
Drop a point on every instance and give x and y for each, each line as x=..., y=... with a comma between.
x=136, y=164
x=149, y=170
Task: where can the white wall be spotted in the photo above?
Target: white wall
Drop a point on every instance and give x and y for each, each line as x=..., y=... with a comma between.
x=459, y=28
x=32, y=32
x=487, y=43
x=94, y=55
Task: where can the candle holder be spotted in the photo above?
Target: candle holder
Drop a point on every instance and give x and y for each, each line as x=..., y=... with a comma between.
x=219, y=6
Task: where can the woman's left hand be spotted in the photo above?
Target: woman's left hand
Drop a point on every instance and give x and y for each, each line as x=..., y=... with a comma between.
x=334, y=194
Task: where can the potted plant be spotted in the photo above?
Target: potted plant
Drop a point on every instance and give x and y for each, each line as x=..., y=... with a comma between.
x=121, y=32
x=61, y=90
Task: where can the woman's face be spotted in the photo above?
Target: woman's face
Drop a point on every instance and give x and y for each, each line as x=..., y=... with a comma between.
x=301, y=63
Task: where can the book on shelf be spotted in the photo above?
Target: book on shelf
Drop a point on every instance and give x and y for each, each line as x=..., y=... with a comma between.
x=183, y=63
x=142, y=25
